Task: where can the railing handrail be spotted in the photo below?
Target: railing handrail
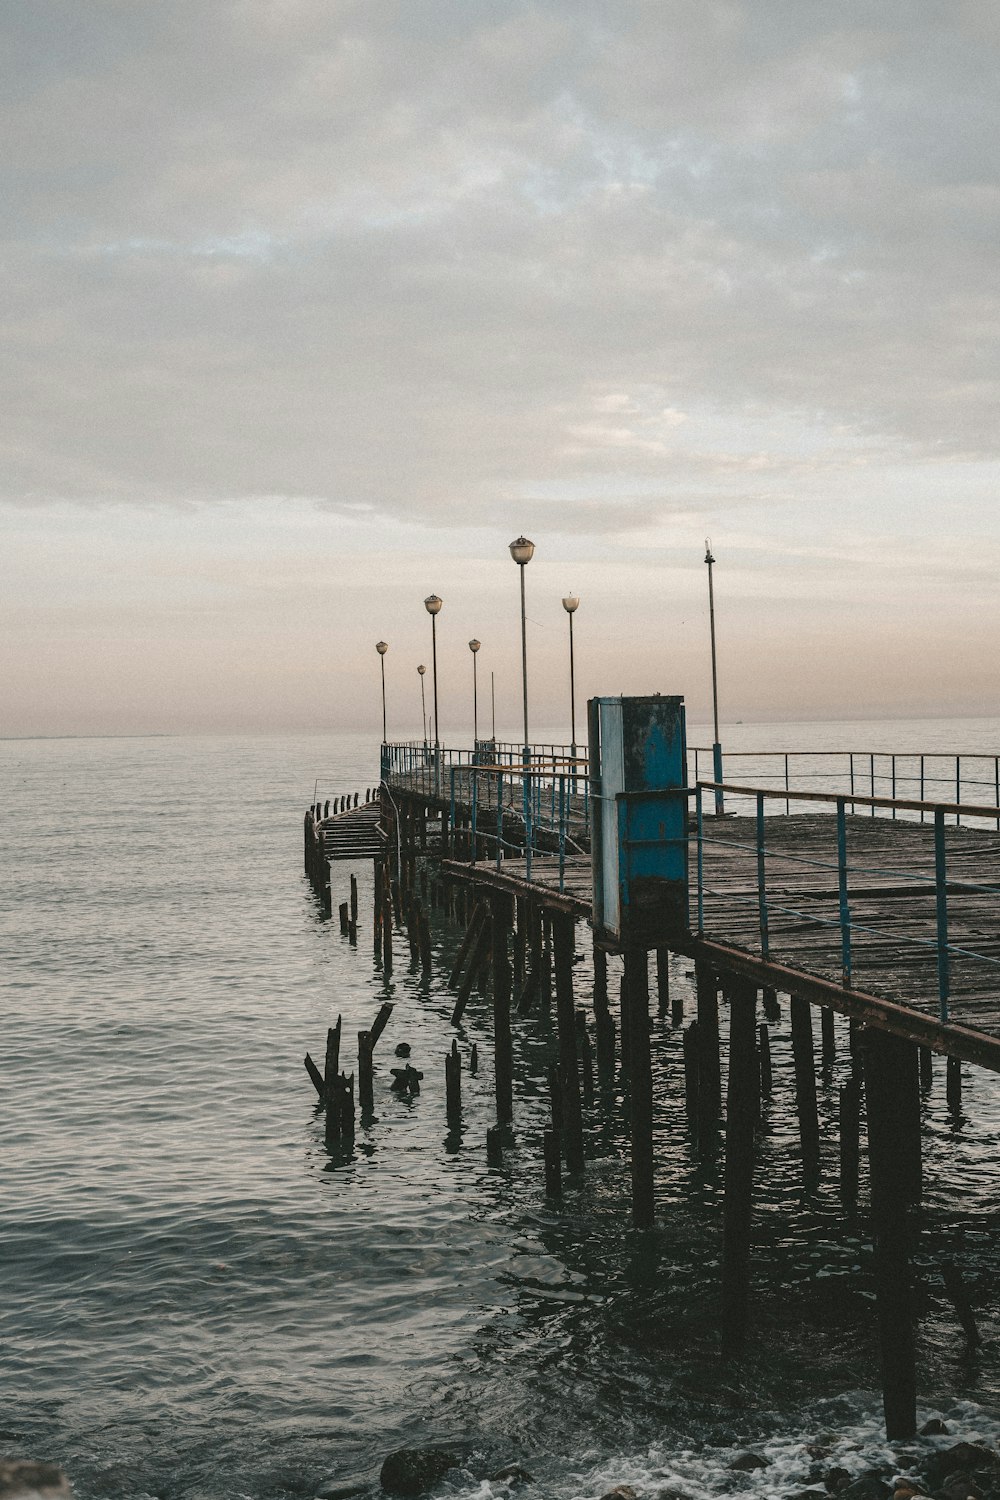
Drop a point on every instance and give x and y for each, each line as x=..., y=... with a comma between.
x=860, y=754
x=906, y=804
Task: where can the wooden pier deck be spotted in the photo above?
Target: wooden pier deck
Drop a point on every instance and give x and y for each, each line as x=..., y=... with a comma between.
x=894, y=975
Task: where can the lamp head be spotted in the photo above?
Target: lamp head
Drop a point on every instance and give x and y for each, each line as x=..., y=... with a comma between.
x=421, y=670
x=474, y=646
x=571, y=603
x=381, y=647
x=708, y=551
x=432, y=604
x=522, y=551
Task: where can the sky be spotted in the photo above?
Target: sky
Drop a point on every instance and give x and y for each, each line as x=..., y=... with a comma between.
x=311, y=306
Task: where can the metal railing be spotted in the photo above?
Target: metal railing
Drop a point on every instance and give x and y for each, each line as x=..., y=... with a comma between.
x=927, y=776
x=841, y=895
x=516, y=807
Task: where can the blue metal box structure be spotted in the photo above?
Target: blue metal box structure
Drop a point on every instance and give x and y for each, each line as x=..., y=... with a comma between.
x=638, y=769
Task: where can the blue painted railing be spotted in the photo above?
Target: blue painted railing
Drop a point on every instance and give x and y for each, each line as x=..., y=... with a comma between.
x=834, y=905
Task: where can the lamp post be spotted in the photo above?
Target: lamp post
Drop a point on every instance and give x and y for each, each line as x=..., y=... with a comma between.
x=716, y=745
x=432, y=604
x=493, y=706
x=522, y=551
x=382, y=647
x=474, y=647
x=423, y=702
x=571, y=604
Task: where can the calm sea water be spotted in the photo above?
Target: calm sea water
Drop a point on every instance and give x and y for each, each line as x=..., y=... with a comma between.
x=199, y=1302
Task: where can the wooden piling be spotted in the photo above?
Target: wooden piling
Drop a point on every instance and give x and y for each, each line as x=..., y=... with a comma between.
x=366, y=1073
x=603, y=1022
x=953, y=1085
x=504, y=1065
x=958, y=1295
x=562, y=940
x=805, y=1083
x=636, y=999
x=828, y=1044
x=926, y=1069
x=345, y=923
x=424, y=937
x=471, y=933
x=709, y=1071
x=764, y=1054
x=662, y=981
x=494, y=1146
x=742, y=1096
x=316, y=1076
x=553, y=1165
x=476, y=956
x=453, y=1084
x=769, y=997
x=586, y=1056
x=331, y=1066
x=692, y=1054
x=850, y=1138
x=891, y=1235
x=354, y=900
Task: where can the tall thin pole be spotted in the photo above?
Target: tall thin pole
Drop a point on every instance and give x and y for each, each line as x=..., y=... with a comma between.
x=385, y=736
x=493, y=709
x=524, y=663
x=434, y=652
x=716, y=745
x=423, y=703
x=475, y=704
x=572, y=692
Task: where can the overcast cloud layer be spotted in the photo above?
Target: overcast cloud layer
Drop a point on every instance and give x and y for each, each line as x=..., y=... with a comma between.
x=612, y=273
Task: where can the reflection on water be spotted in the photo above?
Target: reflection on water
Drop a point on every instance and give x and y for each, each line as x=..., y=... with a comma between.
x=199, y=1300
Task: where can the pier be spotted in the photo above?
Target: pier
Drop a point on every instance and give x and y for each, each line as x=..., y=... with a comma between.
x=851, y=882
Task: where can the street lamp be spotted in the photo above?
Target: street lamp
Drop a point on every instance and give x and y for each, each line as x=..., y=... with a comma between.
x=571, y=604
x=716, y=746
x=432, y=604
x=423, y=702
x=522, y=551
x=474, y=647
x=382, y=647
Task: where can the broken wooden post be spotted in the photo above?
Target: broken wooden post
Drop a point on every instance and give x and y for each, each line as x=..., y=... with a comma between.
x=345, y=925
x=891, y=1233
x=494, y=1146
x=453, y=1084
x=381, y=1021
x=317, y=1078
x=477, y=955
x=953, y=1085
x=366, y=1073
x=471, y=933
x=805, y=1083
x=562, y=940
x=742, y=1103
x=354, y=901
x=955, y=1287
x=474, y=1060
x=331, y=1065
x=635, y=999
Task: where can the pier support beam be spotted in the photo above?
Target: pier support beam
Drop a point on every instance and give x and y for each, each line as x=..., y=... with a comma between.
x=805, y=1084
x=891, y=1229
x=636, y=1003
x=742, y=1105
x=709, y=1073
x=569, y=1073
x=504, y=1065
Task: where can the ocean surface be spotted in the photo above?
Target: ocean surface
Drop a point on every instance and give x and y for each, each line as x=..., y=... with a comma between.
x=199, y=1302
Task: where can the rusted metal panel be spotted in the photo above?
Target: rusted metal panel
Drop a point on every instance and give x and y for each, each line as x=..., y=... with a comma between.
x=639, y=801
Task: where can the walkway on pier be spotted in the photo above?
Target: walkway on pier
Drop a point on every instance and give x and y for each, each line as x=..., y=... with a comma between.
x=884, y=908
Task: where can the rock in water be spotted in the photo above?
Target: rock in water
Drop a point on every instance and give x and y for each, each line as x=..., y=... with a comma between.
x=410, y=1471
x=512, y=1474
x=746, y=1462
x=22, y=1479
